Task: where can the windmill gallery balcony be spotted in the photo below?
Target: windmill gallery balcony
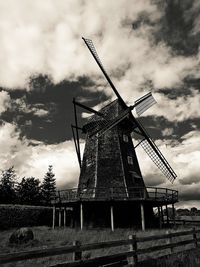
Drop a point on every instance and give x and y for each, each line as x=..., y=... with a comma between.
x=129, y=207
x=149, y=194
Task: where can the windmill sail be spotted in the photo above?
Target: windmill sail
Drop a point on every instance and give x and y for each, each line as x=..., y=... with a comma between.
x=107, y=121
x=144, y=103
x=154, y=153
x=93, y=51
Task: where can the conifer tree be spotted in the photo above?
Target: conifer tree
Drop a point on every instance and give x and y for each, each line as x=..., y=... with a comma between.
x=48, y=188
x=7, y=186
x=29, y=191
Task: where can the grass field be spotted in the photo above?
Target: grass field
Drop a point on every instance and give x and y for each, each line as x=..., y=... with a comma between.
x=45, y=237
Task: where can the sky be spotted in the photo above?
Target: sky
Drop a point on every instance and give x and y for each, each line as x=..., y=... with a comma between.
x=144, y=46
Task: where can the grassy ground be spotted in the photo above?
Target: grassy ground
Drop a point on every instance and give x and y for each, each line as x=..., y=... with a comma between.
x=45, y=237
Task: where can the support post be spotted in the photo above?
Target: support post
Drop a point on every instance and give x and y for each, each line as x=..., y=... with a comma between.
x=167, y=214
x=59, y=218
x=81, y=216
x=112, y=218
x=64, y=217
x=160, y=220
x=54, y=217
x=142, y=216
x=173, y=214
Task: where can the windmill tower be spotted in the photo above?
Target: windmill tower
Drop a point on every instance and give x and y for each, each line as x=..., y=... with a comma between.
x=111, y=183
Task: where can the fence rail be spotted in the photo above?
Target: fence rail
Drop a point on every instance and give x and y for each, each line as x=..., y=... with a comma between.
x=117, y=193
x=133, y=252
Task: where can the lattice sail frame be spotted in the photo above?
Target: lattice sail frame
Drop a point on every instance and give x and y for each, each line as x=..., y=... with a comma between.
x=154, y=153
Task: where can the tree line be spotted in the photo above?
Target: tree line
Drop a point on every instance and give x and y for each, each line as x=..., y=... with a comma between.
x=29, y=191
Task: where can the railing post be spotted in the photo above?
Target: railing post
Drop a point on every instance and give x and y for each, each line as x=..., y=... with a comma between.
x=133, y=247
x=195, y=237
x=59, y=196
x=77, y=255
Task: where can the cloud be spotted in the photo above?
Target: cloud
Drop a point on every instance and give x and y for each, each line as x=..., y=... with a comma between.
x=184, y=159
x=49, y=41
x=40, y=112
x=181, y=108
x=33, y=160
x=167, y=132
x=4, y=101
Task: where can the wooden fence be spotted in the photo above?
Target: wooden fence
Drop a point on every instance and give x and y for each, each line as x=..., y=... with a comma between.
x=133, y=251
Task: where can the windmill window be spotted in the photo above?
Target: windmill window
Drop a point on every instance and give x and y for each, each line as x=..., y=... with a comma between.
x=125, y=138
x=88, y=162
x=130, y=160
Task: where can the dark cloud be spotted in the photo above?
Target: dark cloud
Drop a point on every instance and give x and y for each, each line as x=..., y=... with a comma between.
x=189, y=194
x=45, y=112
x=176, y=27
x=156, y=125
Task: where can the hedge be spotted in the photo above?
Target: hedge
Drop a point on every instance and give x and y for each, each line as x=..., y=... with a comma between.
x=20, y=215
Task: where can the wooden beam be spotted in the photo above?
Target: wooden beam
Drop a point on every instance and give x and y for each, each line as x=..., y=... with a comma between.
x=142, y=216
x=112, y=218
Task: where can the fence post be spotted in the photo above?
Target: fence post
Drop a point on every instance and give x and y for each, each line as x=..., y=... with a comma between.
x=133, y=247
x=77, y=255
x=169, y=241
x=195, y=237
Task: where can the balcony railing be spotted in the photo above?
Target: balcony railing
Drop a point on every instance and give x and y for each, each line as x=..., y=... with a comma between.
x=117, y=193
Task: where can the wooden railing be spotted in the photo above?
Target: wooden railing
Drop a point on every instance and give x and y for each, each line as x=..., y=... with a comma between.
x=117, y=193
x=133, y=249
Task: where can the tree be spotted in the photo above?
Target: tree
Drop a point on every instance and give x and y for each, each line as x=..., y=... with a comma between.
x=29, y=191
x=48, y=187
x=7, y=186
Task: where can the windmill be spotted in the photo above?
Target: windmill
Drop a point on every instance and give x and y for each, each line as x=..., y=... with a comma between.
x=109, y=168
x=117, y=117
